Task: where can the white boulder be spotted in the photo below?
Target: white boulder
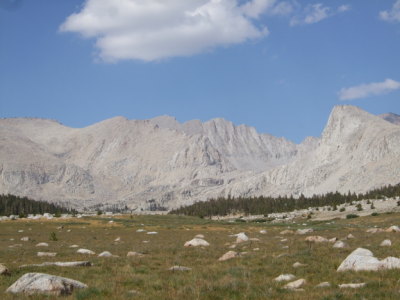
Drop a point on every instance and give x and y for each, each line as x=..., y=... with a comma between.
x=228, y=255
x=386, y=243
x=85, y=251
x=196, y=242
x=363, y=260
x=340, y=244
x=42, y=245
x=294, y=285
x=351, y=285
x=285, y=277
x=40, y=283
x=51, y=254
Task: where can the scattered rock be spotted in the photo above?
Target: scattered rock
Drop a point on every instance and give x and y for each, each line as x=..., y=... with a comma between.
x=254, y=239
x=285, y=277
x=316, y=239
x=374, y=230
x=256, y=249
x=323, y=285
x=294, y=285
x=333, y=240
x=51, y=254
x=298, y=265
x=363, y=260
x=20, y=231
x=106, y=254
x=241, y=237
x=61, y=264
x=263, y=231
x=284, y=240
x=386, y=243
x=42, y=245
x=4, y=270
x=199, y=236
x=152, y=232
x=304, y=231
x=179, y=268
x=132, y=253
x=25, y=239
x=351, y=285
x=196, y=242
x=39, y=283
x=140, y=230
x=228, y=255
x=118, y=239
x=350, y=236
x=340, y=244
x=74, y=246
x=232, y=246
x=287, y=232
x=393, y=228
x=85, y=251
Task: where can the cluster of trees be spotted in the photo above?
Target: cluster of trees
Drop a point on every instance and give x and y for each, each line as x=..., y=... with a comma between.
x=267, y=205
x=22, y=206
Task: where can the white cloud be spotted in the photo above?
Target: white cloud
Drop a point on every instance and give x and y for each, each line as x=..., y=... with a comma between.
x=392, y=15
x=283, y=8
x=314, y=13
x=370, y=89
x=156, y=29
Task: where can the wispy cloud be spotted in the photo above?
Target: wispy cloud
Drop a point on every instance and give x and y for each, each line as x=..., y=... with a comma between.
x=153, y=29
x=314, y=13
x=370, y=89
x=392, y=15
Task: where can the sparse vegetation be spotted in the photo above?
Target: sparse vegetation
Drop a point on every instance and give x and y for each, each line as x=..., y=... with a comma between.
x=351, y=216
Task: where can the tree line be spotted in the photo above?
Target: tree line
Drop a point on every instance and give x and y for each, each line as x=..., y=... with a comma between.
x=22, y=206
x=266, y=205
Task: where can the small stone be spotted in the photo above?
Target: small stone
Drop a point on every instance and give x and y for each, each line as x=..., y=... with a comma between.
x=118, y=239
x=85, y=251
x=333, y=240
x=316, y=239
x=263, y=231
x=350, y=236
x=25, y=239
x=286, y=232
x=51, y=254
x=140, y=230
x=4, y=270
x=199, y=236
x=294, y=285
x=351, y=285
x=228, y=255
x=298, y=265
x=393, y=228
x=74, y=246
x=386, y=243
x=132, y=253
x=196, y=242
x=304, y=231
x=106, y=254
x=152, y=232
x=323, y=285
x=42, y=245
x=241, y=237
x=179, y=268
x=285, y=277
x=340, y=244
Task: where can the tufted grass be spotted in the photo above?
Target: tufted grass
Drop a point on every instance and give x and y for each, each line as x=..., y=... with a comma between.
x=247, y=277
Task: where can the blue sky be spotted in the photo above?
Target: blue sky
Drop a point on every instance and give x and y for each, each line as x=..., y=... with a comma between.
x=279, y=66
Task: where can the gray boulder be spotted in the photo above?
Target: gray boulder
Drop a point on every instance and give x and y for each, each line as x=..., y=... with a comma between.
x=40, y=283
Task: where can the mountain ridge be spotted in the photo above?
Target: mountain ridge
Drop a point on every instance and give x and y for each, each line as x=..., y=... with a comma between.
x=161, y=162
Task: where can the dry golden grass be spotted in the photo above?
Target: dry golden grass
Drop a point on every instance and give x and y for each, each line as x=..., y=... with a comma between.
x=247, y=277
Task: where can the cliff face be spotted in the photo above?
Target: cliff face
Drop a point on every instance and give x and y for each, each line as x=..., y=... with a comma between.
x=161, y=162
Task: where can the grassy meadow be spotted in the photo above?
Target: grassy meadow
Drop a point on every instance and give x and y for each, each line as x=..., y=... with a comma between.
x=250, y=276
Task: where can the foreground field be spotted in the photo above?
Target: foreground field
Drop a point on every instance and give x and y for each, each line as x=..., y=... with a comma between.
x=250, y=276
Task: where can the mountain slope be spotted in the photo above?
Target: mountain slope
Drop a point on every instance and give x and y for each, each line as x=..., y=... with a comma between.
x=162, y=163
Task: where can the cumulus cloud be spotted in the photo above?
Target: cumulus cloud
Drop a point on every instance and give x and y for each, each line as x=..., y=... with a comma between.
x=392, y=15
x=370, y=89
x=156, y=29
x=314, y=13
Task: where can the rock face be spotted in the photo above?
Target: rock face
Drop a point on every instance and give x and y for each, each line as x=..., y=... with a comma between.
x=363, y=260
x=162, y=164
x=39, y=283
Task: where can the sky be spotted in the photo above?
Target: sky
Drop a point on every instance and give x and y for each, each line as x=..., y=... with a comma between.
x=279, y=66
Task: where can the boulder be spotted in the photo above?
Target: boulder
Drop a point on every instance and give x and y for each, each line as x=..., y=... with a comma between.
x=374, y=230
x=323, y=285
x=74, y=246
x=298, y=265
x=333, y=240
x=25, y=239
x=85, y=251
x=140, y=230
x=106, y=254
x=61, y=264
x=351, y=285
x=350, y=236
x=132, y=253
x=179, y=268
x=393, y=228
x=386, y=243
x=51, y=254
x=285, y=277
x=263, y=231
x=4, y=270
x=294, y=285
x=199, y=236
x=152, y=232
x=363, y=260
x=196, y=242
x=40, y=283
x=241, y=237
x=340, y=244
x=304, y=231
x=228, y=255
x=42, y=245
x=118, y=239
x=316, y=239
x=287, y=232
